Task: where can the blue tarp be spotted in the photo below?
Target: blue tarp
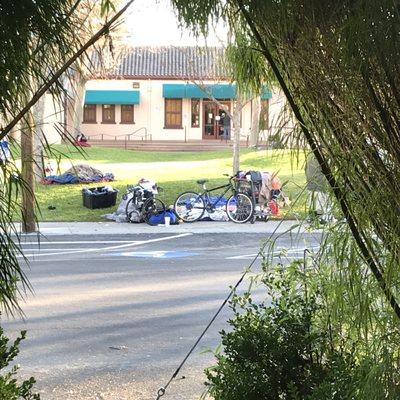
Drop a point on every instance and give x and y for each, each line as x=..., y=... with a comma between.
x=70, y=178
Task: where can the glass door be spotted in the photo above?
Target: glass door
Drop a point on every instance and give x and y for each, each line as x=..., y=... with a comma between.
x=213, y=118
x=209, y=120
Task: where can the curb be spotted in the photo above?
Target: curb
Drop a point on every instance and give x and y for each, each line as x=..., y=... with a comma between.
x=114, y=228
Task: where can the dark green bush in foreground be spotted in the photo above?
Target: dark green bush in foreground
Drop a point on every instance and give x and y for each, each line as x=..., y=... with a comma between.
x=281, y=350
x=10, y=389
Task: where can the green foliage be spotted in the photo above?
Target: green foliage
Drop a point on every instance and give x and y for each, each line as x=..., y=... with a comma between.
x=269, y=353
x=12, y=277
x=198, y=14
x=242, y=61
x=36, y=35
x=10, y=388
x=37, y=38
x=287, y=348
x=106, y=7
x=335, y=60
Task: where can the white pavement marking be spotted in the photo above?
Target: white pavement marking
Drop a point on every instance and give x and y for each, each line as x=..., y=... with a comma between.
x=40, y=249
x=241, y=257
x=43, y=242
x=131, y=244
x=283, y=253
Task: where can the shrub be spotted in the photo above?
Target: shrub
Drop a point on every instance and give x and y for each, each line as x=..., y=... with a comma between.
x=10, y=389
x=281, y=349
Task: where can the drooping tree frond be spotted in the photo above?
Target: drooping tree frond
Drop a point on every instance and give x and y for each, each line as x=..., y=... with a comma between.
x=337, y=63
x=40, y=41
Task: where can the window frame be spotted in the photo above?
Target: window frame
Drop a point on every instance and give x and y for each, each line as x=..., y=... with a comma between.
x=167, y=126
x=126, y=122
x=113, y=114
x=88, y=120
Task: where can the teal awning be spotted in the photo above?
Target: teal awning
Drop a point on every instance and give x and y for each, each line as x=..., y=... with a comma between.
x=217, y=91
x=174, y=91
x=192, y=91
x=210, y=91
x=112, y=97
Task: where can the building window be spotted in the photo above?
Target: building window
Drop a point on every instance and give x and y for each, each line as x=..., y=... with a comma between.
x=127, y=114
x=264, y=115
x=89, y=113
x=195, y=113
x=108, y=114
x=173, y=113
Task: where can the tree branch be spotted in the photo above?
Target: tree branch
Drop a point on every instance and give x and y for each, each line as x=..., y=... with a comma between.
x=104, y=30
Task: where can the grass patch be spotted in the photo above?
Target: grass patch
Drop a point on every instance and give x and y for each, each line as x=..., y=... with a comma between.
x=109, y=155
x=175, y=172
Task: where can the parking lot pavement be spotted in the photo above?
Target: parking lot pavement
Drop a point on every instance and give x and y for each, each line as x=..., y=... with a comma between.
x=113, y=315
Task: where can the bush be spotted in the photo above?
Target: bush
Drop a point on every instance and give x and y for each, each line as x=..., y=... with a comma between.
x=282, y=350
x=10, y=389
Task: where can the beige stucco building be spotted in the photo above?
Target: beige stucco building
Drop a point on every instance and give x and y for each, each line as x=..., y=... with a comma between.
x=169, y=94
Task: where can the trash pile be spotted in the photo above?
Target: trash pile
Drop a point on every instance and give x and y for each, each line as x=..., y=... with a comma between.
x=81, y=173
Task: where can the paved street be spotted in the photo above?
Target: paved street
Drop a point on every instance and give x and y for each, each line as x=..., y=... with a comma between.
x=113, y=315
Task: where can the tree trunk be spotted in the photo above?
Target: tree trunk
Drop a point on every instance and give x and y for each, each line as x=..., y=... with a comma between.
x=38, y=138
x=255, y=121
x=28, y=180
x=78, y=91
x=237, y=107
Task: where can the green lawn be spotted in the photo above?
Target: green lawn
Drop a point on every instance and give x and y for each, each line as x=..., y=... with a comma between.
x=174, y=171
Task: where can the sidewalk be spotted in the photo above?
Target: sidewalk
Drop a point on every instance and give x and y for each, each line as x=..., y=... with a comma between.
x=114, y=228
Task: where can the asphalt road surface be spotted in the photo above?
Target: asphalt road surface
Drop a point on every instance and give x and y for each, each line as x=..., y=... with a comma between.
x=113, y=316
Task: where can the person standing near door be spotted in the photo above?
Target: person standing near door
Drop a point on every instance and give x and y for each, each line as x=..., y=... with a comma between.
x=226, y=123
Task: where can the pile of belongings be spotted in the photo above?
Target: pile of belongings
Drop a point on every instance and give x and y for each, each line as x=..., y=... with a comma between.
x=81, y=141
x=219, y=213
x=267, y=187
x=81, y=173
x=146, y=187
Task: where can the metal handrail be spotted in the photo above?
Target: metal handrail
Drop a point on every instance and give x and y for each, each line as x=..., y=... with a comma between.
x=138, y=130
x=126, y=136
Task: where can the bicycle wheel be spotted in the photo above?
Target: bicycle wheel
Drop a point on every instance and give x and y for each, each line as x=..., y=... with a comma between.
x=152, y=207
x=189, y=206
x=240, y=208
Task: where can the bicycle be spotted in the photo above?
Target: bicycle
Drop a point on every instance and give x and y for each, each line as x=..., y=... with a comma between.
x=191, y=206
x=143, y=204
